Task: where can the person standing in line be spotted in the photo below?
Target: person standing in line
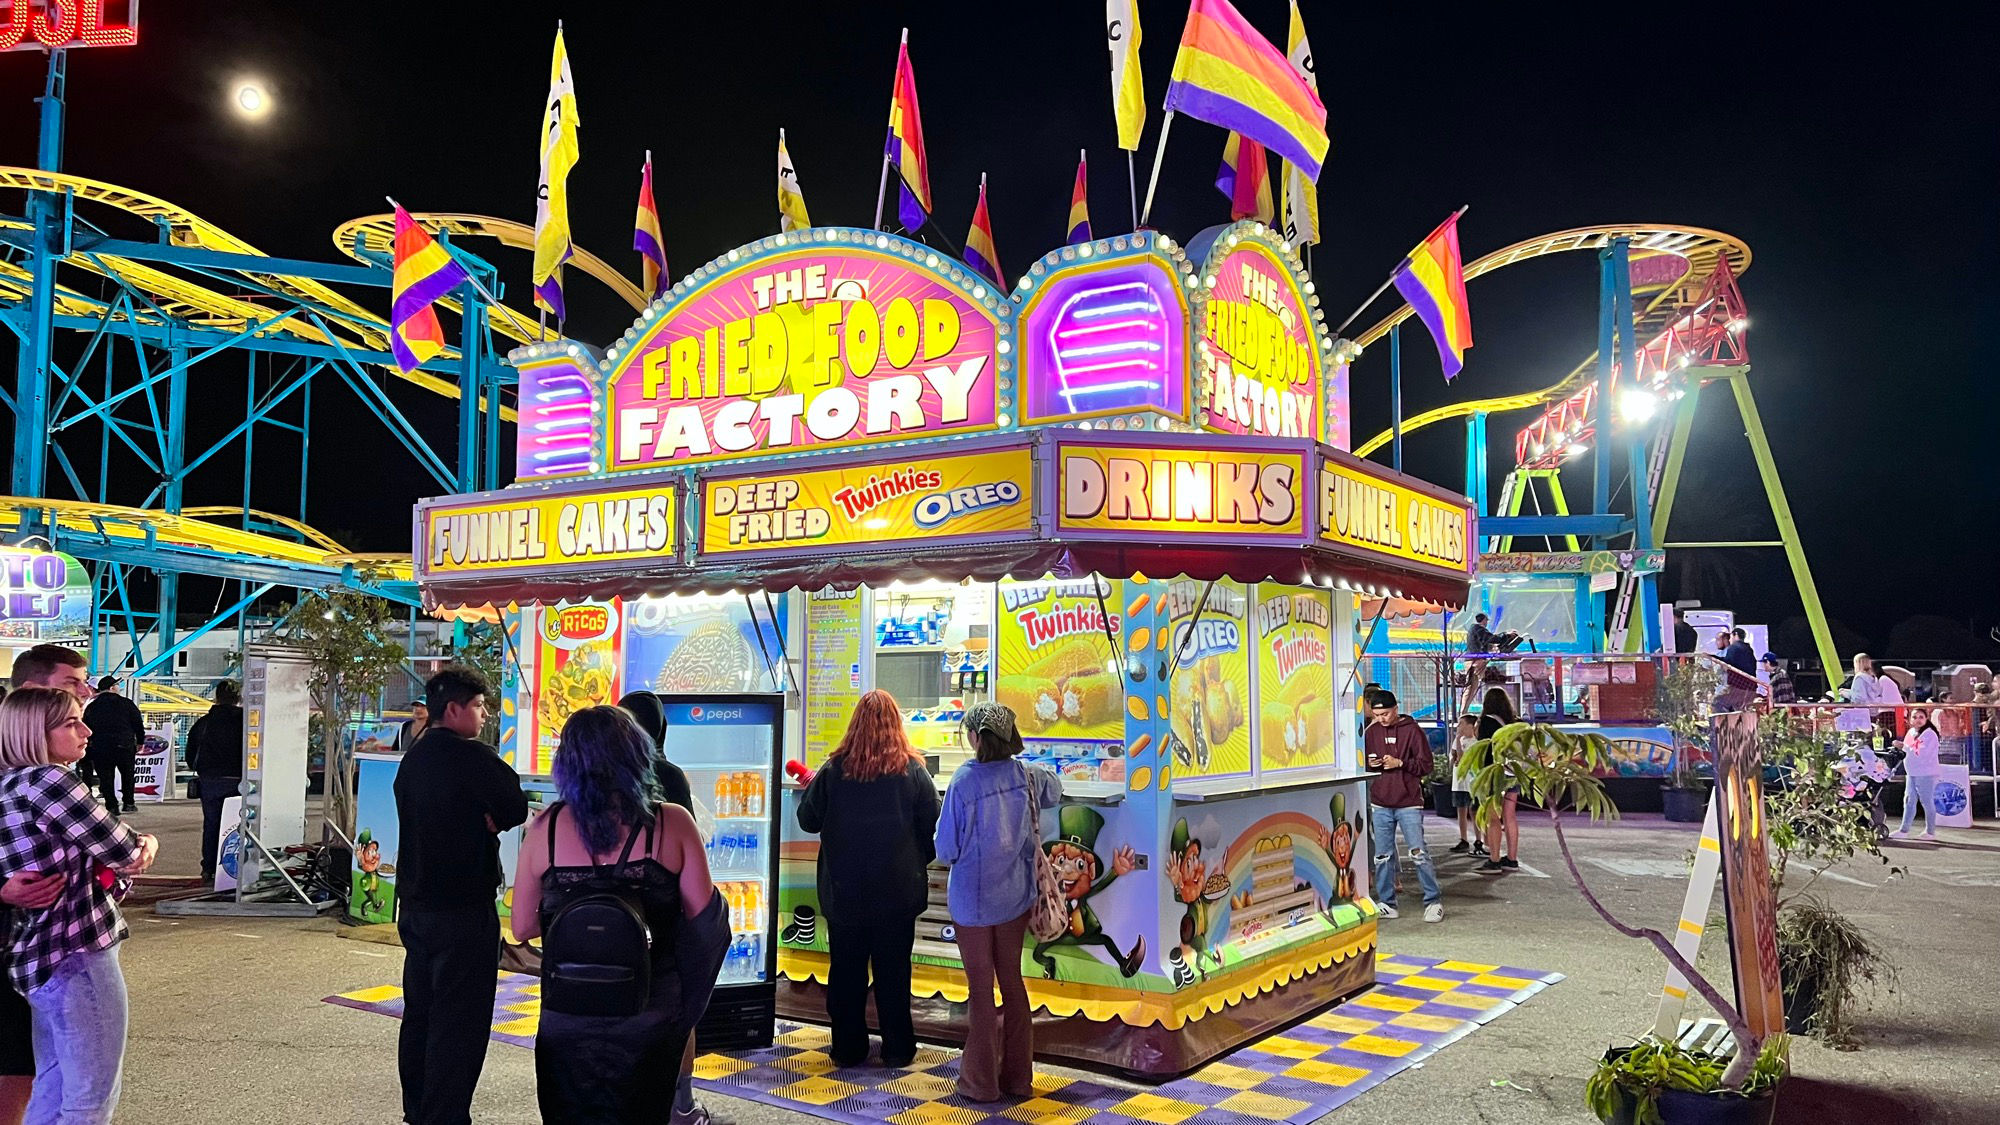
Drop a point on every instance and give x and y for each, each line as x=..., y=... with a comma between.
x=1685, y=638
x=1461, y=790
x=610, y=834
x=875, y=809
x=64, y=959
x=1782, y=690
x=1921, y=770
x=1889, y=694
x=454, y=796
x=65, y=669
x=990, y=833
x=414, y=727
x=117, y=730
x=215, y=754
x=1398, y=747
x=1504, y=837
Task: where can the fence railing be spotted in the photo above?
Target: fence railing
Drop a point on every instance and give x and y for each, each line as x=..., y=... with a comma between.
x=1608, y=688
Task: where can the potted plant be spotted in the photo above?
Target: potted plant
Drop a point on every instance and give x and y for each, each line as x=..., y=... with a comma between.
x=1683, y=702
x=1558, y=771
x=1818, y=814
x=1439, y=782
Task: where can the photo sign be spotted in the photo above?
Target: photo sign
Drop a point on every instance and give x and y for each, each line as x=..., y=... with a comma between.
x=819, y=347
x=44, y=596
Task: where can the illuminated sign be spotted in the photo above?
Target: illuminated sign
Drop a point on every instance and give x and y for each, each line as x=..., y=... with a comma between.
x=1361, y=510
x=558, y=419
x=959, y=497
x=44, y=596
x=1213, y=490
x=1651, y=561
x=815, y=348
x=34, y=25
x=1105, y=339
x=1262, y=370
x=546, y=531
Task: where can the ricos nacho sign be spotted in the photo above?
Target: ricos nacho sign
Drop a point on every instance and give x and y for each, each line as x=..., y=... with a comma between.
x=964, y=497
x=1377, y=516
x=1181, y=490
x=496, y=533
x=818, y=348
x=1262, y=370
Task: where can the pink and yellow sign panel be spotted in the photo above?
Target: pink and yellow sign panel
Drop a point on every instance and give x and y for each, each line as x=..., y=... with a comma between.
x=820, y=348
x=969, y=496
x=1180, y=490
x=1263, y=365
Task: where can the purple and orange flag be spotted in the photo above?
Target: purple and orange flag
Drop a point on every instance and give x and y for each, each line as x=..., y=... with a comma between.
x=1432, y=280
x=906, y=145
x=646, y=236
x=1228, y=75
x=1079, y=205
x=979, y=251
x=424, y=272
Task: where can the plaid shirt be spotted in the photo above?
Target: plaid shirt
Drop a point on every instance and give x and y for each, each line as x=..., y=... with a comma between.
x=50, y=822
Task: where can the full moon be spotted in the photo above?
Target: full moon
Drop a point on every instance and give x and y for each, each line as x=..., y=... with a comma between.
x=252, y=100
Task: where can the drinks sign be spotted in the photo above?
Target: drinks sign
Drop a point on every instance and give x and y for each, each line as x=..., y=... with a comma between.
x=822, y=347
x=44, y=596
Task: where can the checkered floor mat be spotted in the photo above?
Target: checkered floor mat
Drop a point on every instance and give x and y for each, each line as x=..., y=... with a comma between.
x=1417, y=1006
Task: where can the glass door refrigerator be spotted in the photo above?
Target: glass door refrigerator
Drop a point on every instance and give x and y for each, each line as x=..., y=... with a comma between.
x=728, y=746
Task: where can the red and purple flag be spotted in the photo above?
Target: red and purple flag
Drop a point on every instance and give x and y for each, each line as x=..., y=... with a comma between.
x=646, y=236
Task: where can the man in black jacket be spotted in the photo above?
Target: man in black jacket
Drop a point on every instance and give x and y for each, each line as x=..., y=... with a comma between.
x=116, y=732
x=215, y=754
x=454, y=796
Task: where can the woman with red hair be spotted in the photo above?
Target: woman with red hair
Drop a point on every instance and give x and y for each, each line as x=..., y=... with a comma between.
x=875, y=808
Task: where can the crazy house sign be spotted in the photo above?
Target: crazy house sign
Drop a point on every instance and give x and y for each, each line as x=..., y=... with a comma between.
x=822, y=347
x=44, y=596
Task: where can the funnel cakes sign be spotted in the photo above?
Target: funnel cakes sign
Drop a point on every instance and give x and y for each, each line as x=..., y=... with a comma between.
x=819, y=347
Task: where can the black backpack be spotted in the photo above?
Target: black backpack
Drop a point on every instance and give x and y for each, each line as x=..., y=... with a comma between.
x=597, y=953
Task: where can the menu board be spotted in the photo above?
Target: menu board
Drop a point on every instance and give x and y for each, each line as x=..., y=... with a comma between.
x=1209, y=696
x=833, y=669
x=1295, y=710
x=579, y=663
x=1058, y=669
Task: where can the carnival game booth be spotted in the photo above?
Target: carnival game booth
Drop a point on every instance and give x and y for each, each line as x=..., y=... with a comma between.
x=1106, y=504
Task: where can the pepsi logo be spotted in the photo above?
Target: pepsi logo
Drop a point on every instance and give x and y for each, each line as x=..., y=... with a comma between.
x=694, y=713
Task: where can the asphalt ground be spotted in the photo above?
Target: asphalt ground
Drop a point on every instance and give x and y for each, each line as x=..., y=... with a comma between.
x=227, y=1022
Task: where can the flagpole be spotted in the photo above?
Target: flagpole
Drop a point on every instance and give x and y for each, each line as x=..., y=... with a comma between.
x=1396, y=396
x=882, y=188
x=1132, y=186
x=1159, y=152
x=1392, y=273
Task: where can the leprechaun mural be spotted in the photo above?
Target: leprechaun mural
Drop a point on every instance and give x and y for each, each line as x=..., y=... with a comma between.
x=1195, y=885
x=1082, y=876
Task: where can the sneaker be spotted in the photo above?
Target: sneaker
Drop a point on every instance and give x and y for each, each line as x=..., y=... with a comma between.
x=1434, y=912
x=695, y=1116
x=1490, y=867
x=1479, y=851
x=1460, y=848
x=1899, y=834
x=1386, y=910
x=1510, y=864
x=130, y=807
x=1930, y=836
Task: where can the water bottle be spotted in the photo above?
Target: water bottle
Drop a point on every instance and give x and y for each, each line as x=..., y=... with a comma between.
x=753, y=956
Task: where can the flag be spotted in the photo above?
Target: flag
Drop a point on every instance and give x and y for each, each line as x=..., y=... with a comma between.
x=1079, y=206
x=1299, y=217
x=1228, y=75
x=906, y=146
x=646, y=235
x=1128, y=85
x=979, y=252
x=791, y=201
x=1245, y=177
x=559, y=153
x=1432, y=280
x=424, y=272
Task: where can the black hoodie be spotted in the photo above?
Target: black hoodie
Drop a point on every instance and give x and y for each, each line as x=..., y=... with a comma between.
x=215, y=742
x=651, y=715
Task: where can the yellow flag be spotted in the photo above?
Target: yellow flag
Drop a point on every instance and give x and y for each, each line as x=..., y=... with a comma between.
x=1300, y=221
x=559, y=154
x=791, y=201
x=1128, y=86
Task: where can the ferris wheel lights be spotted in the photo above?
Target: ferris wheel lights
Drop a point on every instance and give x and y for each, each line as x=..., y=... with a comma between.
x=1637, y=405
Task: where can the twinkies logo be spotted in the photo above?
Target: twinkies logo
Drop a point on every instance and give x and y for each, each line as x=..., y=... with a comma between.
x=940, y=507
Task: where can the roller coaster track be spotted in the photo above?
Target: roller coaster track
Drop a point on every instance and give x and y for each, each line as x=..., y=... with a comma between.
x=1658, y=297
x=112, y=524
x=377, y=233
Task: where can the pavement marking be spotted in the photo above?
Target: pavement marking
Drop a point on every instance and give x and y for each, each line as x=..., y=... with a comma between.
x=252, y=937
x=1524, y=869
x=1655, y=868
x=366, y=953
x=1837, y=876
x=1957, y=876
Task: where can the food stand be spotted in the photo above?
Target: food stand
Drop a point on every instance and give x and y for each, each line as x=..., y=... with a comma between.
x=1103, y=499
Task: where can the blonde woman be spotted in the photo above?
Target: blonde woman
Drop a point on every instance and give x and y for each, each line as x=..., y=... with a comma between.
x=64, y=958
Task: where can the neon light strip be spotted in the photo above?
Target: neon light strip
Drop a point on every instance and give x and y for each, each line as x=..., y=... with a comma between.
x=1125, y=385
x=1109, y=349
x=1067, y=332
x=1114, y=366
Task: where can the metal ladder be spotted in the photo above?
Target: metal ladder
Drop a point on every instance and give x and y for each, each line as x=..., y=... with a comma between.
x=1628, y=583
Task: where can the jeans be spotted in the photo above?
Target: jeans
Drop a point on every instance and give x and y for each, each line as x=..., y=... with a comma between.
x=109, y=765
x=1920, y=789
x=999, y=1044
x=852, y=948
x=214, y=791
x=451, y=964
x=1386, y=822
x=79, y=1020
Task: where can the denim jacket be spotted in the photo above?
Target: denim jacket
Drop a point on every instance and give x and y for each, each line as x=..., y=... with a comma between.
x=983, y=832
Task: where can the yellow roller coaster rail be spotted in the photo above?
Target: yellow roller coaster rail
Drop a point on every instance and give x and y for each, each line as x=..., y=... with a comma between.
x=141, y=526
x=377, y=234
x=1700, y=247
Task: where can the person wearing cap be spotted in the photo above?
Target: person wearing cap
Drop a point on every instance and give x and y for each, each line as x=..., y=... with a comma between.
x=1782, y=690
x=989, y=832
x=116, y=732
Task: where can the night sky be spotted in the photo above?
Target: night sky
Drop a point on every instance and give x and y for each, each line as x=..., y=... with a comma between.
x=1858, y=161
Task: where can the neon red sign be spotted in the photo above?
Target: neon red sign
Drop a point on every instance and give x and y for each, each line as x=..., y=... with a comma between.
x=34, y=25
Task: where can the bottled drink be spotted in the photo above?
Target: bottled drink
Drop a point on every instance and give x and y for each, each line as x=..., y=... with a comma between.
x=753, y=907
x=756, y=803
x=753, y=956
x=725, y=794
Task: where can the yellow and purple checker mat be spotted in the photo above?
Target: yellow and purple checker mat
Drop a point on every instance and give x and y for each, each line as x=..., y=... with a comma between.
x=1298, y=1075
